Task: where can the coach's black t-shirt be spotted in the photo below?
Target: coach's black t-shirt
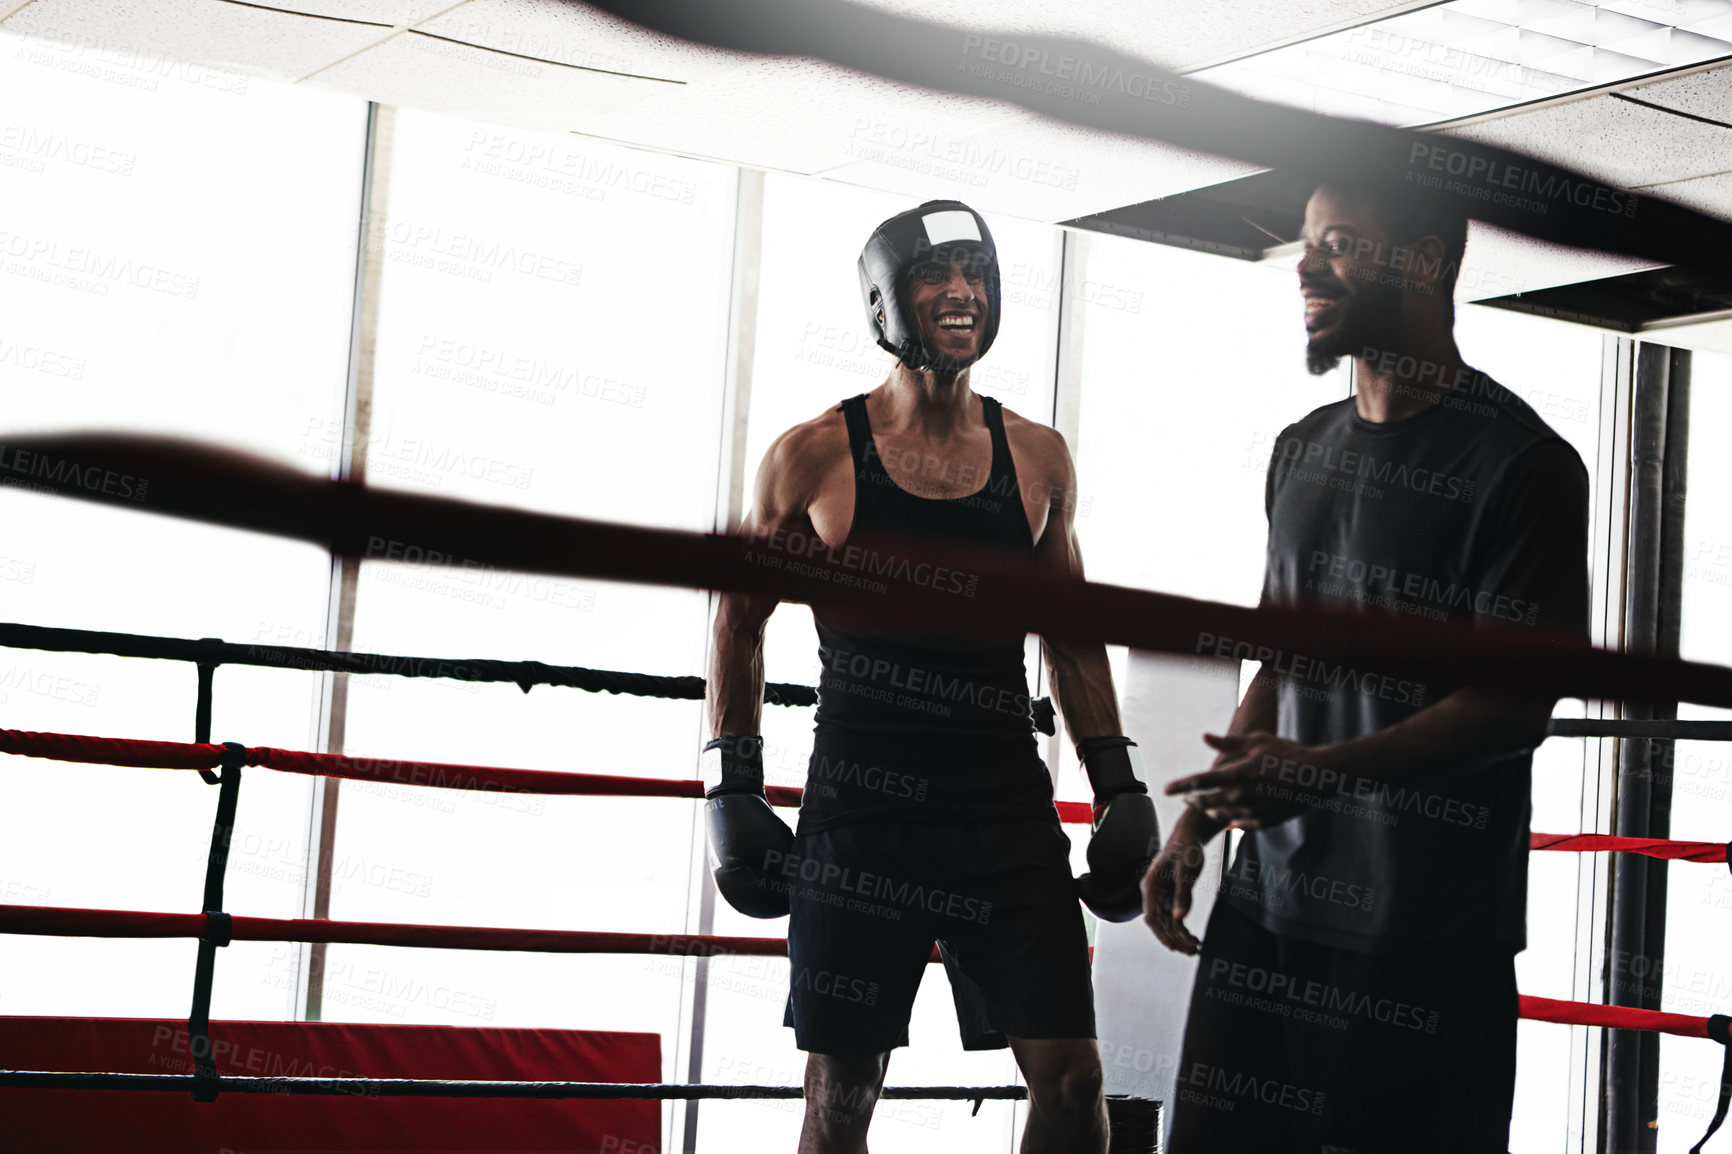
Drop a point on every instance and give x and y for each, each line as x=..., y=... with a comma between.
x=1473, y=510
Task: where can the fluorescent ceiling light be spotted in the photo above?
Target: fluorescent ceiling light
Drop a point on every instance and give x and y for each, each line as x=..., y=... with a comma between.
x=1472, y=56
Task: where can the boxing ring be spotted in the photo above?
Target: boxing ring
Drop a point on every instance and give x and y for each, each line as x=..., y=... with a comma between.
x=351, y=521
x=228, y=489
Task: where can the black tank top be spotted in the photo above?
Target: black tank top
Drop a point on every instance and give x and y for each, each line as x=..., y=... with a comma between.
x=924, y=729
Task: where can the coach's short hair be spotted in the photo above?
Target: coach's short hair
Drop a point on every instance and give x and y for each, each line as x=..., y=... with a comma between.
x=1408, y=213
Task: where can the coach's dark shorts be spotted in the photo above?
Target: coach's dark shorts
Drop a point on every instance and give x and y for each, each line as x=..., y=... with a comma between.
x=1292, y=1046
x=869, y=899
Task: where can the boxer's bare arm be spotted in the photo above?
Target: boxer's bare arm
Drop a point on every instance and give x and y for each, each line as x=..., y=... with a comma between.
x=1080, y=680
x=798, y=473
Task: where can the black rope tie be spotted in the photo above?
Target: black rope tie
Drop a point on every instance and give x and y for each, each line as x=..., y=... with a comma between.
x=1720, y=1029
x=206, y=666
x=534, y=673
x=219, y=928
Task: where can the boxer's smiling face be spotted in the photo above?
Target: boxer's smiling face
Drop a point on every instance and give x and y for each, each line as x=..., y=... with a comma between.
x=948, y=300
x=1349, y=300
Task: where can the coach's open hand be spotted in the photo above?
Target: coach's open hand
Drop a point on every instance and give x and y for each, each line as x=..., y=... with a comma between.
x=1258, y=780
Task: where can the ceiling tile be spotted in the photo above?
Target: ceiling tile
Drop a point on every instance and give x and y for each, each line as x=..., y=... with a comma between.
x=577, y=34
x=397, y=13
x=1033, y=168
x=1175, y=35
x=789, y=114
x=1622, y=143
x=420, y=72
x=1702, y=94
x=1708, y=193
x=251, y=41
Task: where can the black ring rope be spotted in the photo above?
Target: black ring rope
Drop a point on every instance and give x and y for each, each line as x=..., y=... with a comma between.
x=209, y=652
x=466, y=1088
x=523, y=674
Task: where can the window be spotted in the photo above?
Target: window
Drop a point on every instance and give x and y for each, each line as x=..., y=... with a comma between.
x=552, y=336
x=1191, y=366
x=178, y=255
x=1175, y=432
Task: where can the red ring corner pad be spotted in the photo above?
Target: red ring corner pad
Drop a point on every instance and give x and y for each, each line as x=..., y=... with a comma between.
x=56, y=1121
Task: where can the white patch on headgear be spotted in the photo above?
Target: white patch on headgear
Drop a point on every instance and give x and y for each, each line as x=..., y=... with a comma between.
x=950, y=225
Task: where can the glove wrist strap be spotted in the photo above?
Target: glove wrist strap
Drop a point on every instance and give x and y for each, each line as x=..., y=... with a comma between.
x=1113, y=766
x=741, y=759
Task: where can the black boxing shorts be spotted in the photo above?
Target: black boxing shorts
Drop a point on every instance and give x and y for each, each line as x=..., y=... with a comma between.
x=869, y=899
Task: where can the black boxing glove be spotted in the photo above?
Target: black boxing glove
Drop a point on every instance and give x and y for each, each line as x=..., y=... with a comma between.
x=748, y=843
x=1126, y=834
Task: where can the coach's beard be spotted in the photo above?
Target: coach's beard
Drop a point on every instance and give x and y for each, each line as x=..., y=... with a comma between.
x=1370, y=318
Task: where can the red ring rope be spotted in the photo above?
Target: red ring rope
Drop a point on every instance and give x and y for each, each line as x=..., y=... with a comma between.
x=440, y=775
x=1702, y=851
x=57, y=921
x=1613, y=1017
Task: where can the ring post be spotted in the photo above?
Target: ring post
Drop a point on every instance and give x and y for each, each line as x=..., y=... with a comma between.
x=217, y=924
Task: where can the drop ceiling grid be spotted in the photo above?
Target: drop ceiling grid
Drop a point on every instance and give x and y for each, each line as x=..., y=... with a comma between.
x=807, y=117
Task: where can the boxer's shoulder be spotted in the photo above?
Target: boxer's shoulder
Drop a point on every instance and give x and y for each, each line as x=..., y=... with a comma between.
x=1039, y=450
x=799, y=461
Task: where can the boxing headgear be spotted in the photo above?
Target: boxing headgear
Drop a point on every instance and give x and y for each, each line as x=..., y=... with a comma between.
x=933, y=232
